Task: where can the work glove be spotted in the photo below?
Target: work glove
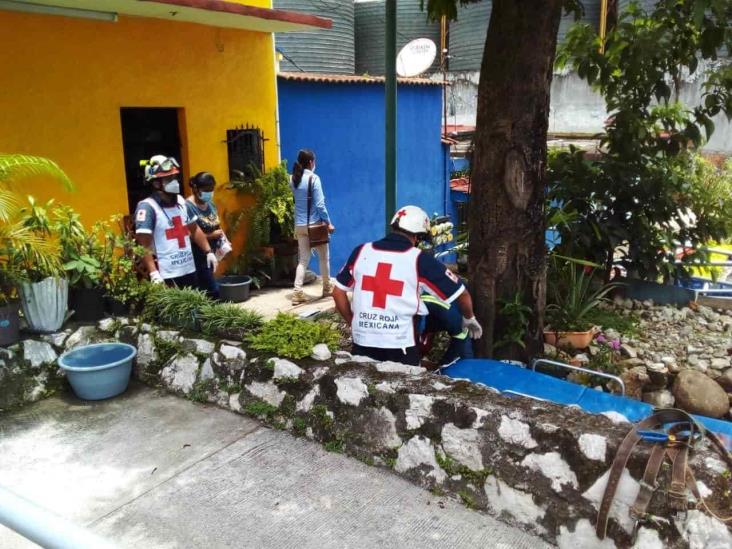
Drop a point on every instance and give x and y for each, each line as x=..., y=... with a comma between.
x=473, y=327
x=212, y=261
x=156, y=278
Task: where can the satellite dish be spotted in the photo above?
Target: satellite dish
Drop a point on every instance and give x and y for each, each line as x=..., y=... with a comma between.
x=416, y=57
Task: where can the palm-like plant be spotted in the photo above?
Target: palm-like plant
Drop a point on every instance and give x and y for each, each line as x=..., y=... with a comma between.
x=18, y=240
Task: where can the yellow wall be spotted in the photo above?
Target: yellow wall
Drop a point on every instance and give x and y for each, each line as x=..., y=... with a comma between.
x=65, y=80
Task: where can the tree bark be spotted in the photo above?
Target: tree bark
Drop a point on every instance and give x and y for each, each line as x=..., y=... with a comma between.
x=507, y=253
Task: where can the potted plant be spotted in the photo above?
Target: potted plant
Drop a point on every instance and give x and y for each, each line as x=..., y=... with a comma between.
x=572, y=294
x=28, y=257
x=270, y=224
x=42, y=288
x=82, y=255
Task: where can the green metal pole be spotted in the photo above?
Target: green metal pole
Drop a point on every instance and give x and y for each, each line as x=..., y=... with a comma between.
x=390, y=110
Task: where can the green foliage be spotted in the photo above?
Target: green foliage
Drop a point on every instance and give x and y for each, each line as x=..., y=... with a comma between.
x=29, y=262
x=177, y=307
x=286, y=335
x=572, y=293
x=120, y=280
x=201, y=390
x=451, y=467
x=260, y=408
x=274, y=203
x=299, y=426
x=228, y=320
x=638, y=196
x=335, y=446
x=608, y=319
x=467, y=499
x=514, y=319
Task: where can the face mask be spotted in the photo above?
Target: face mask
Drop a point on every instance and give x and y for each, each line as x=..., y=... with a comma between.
x=172, y=187
x=207, y=196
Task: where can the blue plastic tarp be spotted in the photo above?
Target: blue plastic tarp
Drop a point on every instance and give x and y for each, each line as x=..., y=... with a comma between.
x=514, y=380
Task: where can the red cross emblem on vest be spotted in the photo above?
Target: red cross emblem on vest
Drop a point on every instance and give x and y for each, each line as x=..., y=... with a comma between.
x=177, y=232
x=382, y=285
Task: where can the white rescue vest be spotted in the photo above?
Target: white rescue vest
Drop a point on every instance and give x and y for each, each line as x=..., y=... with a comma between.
x=385, y=298
x=172, y=240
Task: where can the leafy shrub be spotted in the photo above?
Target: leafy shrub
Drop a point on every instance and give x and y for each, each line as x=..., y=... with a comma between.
x=286, y=335
x=228, y=320
x=572, y=294
x=179, y=307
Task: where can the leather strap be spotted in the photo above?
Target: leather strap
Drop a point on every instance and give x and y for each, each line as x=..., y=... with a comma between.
x=310, y=199
x=655, y=421
x=648, y=484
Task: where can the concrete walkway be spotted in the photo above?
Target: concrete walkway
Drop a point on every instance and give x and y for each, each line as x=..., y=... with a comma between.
x=270, y=301
x=148, y=470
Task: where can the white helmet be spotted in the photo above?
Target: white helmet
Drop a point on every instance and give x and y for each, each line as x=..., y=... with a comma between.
x=161, y=166
x=411, y=219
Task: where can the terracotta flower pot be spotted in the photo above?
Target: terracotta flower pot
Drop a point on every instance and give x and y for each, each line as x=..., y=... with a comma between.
x=576, y=340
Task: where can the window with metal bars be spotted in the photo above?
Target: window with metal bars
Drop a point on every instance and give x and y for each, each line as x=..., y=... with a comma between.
x=245, y=146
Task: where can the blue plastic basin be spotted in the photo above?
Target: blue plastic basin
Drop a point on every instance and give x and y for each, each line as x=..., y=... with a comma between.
x=98, y=371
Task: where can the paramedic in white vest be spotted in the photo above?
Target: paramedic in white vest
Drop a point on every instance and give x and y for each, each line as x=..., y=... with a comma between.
x=387, y=278
x=164, y=227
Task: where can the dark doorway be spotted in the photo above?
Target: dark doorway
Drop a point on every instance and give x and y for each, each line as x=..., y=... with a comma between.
x=146, y=132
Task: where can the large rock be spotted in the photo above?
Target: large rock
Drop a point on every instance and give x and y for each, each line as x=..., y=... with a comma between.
x=198, y=346
x=146, y=351
x=231, y=358
x=635, y=380
x=463, y=445
x=351, y=390
x=180, y=373
x=659, y=399
x=699, y=394
x=725, y=380
x=321, y=352
x=38, y=353
x=417, y=453
x=83, y=336
x=284, y=369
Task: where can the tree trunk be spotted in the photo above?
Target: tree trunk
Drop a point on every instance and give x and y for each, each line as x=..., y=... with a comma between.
x=507, y=253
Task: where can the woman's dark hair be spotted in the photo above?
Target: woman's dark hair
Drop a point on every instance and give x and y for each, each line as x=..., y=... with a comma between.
x=304, y=158
x=202, y=179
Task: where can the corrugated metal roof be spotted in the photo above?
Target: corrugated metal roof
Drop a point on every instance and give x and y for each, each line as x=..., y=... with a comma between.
x=352, y=79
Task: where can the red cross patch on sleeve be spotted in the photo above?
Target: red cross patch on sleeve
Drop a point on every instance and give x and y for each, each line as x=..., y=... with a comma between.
x=141, y=215
x=452, y=276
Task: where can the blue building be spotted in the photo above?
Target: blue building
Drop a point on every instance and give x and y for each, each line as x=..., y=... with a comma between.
x=341, y=118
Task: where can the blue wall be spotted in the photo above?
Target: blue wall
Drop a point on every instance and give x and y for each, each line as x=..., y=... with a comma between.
x=344, y=125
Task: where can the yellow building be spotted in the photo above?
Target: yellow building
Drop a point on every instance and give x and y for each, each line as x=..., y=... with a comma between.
x=98, y=85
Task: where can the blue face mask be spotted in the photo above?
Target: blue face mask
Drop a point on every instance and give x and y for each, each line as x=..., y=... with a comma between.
x=207, y=196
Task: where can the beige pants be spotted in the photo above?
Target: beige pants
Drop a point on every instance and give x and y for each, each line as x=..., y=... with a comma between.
x=303, y=256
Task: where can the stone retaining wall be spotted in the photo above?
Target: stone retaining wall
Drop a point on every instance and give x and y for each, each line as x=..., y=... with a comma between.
x=535, y=465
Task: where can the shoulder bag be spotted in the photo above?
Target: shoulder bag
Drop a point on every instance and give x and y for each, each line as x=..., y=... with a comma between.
x=317, y=233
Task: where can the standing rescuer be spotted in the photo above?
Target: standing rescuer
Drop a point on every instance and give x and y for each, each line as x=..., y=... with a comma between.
x=164, y=227
x=387, y=278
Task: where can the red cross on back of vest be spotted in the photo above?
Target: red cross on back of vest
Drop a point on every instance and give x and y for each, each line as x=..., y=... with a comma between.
x=382, y=285
x=177, y=232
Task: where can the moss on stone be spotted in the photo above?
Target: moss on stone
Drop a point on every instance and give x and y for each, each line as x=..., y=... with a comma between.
x=467, y=499
x=201, y=390
x=335, y=446
x=299, y=426
x=451, y=467
x=260, y=408
x=287, y=408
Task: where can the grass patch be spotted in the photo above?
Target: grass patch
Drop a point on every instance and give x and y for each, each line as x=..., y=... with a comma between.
x=335, y=446
x=467, y=499
x=610, y=319
x=260, y=408
x=299, y=426
x=177, y=307
x=226, y=320
x=201, y=390
x=320, y=412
